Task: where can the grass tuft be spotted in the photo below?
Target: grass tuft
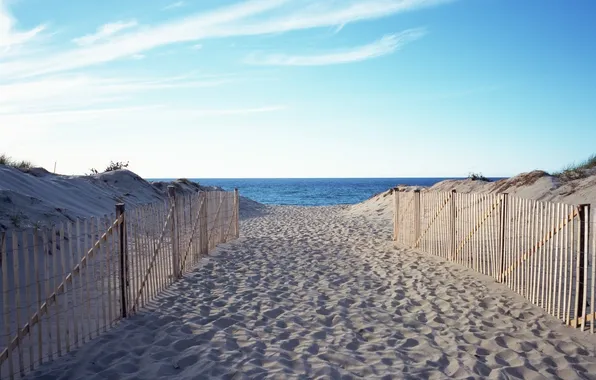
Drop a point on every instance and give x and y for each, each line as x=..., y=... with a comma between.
x=577, y=170
x=478, y=177
x=8, y=161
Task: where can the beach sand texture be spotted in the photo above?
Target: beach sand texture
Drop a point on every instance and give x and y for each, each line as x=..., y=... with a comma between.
x=323, y=292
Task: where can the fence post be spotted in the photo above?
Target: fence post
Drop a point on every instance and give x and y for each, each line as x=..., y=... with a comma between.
x=237, y=213
x=174, y=224
x=122, y=238
x=583, y=247
x=452, y=231
x=417, y=217
x=203, y=225
x=395, y=213
x=502, y=228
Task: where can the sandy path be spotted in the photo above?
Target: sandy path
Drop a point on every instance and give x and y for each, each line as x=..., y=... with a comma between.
x=313, y=293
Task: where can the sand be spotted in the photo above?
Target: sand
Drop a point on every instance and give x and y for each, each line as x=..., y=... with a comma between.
x=39, y=198
x=322, y=292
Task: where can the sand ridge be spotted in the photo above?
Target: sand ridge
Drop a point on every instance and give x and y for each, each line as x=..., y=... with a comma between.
x=321, y=292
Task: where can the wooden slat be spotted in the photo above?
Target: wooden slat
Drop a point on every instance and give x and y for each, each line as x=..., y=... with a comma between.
x=51, y=298
x=582, y=320
x=110, y=265
x=578, y=263
x=5, y=287
x=17, y=285
x=71, y=259
x=101, y=261
x=47, y=247
x=195, y=226
x=147, y=248
x=55, y=274
x=62, y=271
x=82, y=284
x=593, y=298
x=548, y=286
x=26, y=256
x=151, y=237
x=167, y=252
x=586, y=255
x=539, y=256
x=216, y=219
x=569, y=272
x=548, y=236
x=559, y=264
x=39, y=290
x=133, y=219
x=160, y=240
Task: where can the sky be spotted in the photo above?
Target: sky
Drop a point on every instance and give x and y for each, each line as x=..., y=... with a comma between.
x=298, y=88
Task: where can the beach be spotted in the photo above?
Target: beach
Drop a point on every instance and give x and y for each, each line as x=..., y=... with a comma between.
x=323, y=292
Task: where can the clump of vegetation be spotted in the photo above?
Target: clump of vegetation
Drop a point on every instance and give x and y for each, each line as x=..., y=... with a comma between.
x=111, y=167
x=577, y=170
x=18, y=164
x=17, y=219
x=478, y=177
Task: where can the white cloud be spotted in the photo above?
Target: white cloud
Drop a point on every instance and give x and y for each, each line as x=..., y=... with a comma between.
x=386, y=45
x=104, y=32
x=234, y=20
x=197, y=47
x=82, y=91
x=9, y=37
x=175, y=5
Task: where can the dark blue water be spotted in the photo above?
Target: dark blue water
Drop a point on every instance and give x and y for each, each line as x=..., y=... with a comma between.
x=314, y=191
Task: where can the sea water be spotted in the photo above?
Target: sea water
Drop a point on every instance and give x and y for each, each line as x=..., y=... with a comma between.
x=314, y=191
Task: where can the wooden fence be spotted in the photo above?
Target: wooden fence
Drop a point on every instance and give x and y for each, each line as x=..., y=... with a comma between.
x=63, y=286
x=544, y=251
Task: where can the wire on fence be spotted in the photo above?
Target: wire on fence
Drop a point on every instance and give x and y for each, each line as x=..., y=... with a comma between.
x=65, y=285
x=544, y=251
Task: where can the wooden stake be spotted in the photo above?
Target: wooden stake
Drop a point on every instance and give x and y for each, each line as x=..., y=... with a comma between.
x=593, y=299
x=17, y=285
x=5, y=286
x=582, y=263
x=47, y=252
x=559, y=265
x=568, y=268
x=175, y=253
x=38, y=293
x=120, y=214
x=55, y=280
x=82, y=284
x=27, y=268
x=63, y=272
x=71, y=259
x=237, y=209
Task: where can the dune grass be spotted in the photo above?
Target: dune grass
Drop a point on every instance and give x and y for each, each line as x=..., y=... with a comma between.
x=577, y=170
x=18, y=164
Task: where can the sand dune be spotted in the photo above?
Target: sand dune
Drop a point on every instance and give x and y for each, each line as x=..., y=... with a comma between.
x=323, y=293
x=535, y=185
x=38, y=197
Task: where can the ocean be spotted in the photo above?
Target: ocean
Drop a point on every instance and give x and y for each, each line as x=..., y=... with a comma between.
x=313, y=191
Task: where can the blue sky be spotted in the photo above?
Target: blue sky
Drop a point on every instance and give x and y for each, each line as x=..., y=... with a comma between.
x=299, y=88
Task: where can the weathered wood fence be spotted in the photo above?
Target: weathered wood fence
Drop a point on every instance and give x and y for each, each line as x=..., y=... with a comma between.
x=63, y=286
x=544, y=251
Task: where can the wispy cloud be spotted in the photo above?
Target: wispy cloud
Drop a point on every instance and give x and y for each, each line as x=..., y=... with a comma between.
x=9, y=36
x=81, y=91
x=233, y=20
x=386, y=45
x=175, y=5
x=104, y=32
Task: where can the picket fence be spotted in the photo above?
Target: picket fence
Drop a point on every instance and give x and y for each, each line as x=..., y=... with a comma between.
x=64, y=286
x=544, y=251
